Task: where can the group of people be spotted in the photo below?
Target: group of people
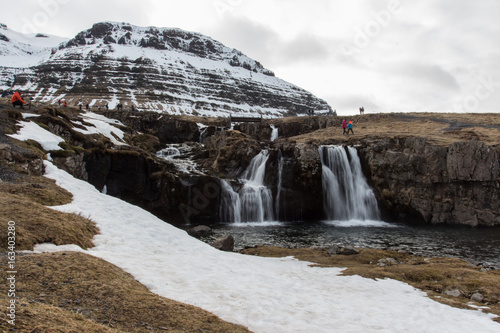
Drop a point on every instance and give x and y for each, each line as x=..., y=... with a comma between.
x=347, y=126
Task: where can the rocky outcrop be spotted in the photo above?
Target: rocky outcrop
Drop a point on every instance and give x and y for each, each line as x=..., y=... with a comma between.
x=414, y=180
x=458, y=184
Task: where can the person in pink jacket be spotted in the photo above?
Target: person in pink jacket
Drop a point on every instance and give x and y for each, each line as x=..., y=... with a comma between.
x=344, y=126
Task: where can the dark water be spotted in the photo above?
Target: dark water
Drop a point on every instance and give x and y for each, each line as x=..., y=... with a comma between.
x=479, y=246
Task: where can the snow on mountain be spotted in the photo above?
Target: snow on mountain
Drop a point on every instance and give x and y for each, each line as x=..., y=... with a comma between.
x=20, y=50
x=161, y=69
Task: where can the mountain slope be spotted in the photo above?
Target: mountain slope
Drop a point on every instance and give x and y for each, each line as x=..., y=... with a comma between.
x=152, y=68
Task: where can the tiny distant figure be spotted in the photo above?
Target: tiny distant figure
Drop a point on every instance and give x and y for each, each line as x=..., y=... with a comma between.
x=106, y=106
x=17, y=100
x=59, y=101
x=65, y=103
x=87, y=107
x=349, y=128
x=362, y=110
x=98, y=106
x=344, y=126
x=132, y=108
x=119, y=107
x=80, y=105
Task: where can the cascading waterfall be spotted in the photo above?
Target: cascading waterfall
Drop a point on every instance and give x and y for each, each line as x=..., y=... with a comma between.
x=281, y=163
x=254, y=202
x=346, y=194
x=274, y=133
x=230, y=208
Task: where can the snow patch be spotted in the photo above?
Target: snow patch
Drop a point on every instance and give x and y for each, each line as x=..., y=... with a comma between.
x=263, y=294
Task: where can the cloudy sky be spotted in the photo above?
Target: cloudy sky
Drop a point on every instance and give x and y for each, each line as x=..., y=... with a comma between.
x=385, y=55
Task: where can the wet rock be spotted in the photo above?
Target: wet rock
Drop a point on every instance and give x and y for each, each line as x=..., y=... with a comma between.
x=200, y=230
x=225, y=243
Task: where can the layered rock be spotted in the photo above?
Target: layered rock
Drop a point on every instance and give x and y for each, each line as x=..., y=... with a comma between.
x=169, y=70
x=458, y=184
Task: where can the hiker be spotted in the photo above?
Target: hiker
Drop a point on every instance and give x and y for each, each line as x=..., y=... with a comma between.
x=349, y=127
x=59, y=101
x=106, y=106
x=80, y=104
x=87, y=107
x=362, y=110
x=65, y=103
x=344, y=126
x=99, y=106
x=120, y=107
x=132, y=108
x=17, y=100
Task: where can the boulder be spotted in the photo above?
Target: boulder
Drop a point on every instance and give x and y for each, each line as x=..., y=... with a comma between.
x=477, y=297
x=225, y=243
x=334, y=250
x=200, y=230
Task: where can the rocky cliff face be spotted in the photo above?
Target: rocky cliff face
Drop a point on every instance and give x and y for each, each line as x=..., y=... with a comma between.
x=160, y=69
x=163, y=168
x=458, y=184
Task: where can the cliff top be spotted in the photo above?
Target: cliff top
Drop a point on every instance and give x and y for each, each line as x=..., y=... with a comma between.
x=438, y=128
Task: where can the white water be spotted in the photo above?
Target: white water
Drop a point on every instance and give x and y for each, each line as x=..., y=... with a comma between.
x=254, y=201
x=169, y=153
x=274, y=133
x=346, y=194
x=230, y=208
x=280, y=176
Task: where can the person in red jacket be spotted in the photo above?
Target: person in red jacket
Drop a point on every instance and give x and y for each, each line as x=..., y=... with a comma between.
x=17, y=100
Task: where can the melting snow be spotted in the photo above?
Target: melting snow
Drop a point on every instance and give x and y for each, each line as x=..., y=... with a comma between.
x=30, y=130
x=263, y=294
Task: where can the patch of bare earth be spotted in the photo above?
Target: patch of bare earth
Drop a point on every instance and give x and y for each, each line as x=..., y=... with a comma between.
x=436, y=276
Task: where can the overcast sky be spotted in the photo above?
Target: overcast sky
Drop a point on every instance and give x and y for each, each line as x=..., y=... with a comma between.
x=385, y=55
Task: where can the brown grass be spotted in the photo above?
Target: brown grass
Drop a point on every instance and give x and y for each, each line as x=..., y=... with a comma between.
x=75, y=292
x=24, y=203
x=435, y=127
x=433, y=275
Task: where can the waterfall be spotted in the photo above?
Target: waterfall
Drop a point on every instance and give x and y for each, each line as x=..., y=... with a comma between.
x=230, y=208
x=274, y=133
x=346, y=194
x=281, y=162
x=254, y=202
x=203, y=131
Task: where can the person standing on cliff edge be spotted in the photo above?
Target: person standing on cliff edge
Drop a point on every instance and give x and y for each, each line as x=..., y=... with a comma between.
x=344, y=126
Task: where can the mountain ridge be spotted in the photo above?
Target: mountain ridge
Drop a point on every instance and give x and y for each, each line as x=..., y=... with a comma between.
x=162, y=69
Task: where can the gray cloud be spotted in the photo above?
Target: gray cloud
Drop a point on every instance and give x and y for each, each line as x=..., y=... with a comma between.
x=428, y=74
x=265, y=45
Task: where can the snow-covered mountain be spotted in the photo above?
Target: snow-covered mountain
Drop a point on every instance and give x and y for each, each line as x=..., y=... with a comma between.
x=152, y=68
